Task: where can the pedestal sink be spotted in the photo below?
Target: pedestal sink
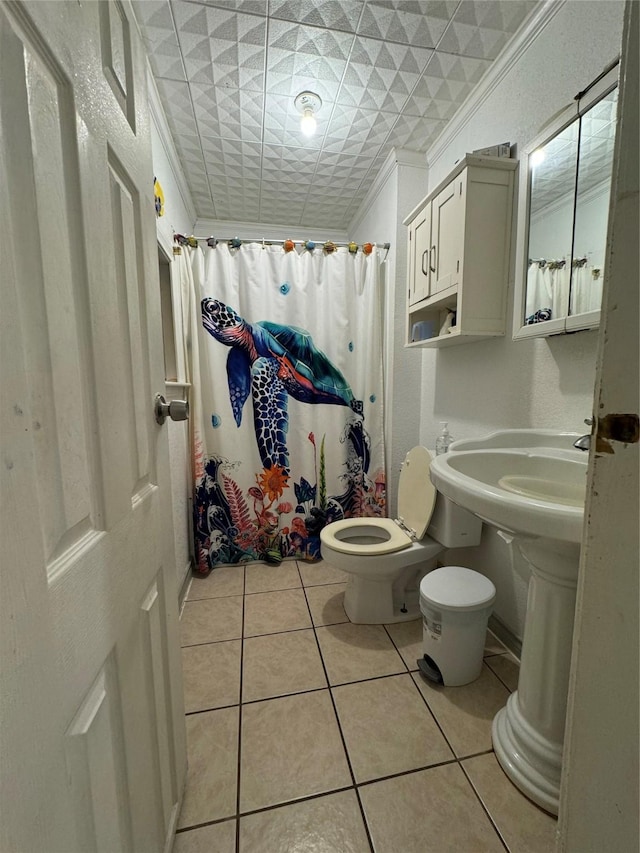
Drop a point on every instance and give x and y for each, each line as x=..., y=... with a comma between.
x=530, y=484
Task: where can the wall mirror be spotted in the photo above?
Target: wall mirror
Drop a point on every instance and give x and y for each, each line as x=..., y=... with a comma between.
x=565, y=184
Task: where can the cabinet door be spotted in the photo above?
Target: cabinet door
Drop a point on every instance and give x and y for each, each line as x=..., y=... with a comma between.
x=447, y=236
x=420, y=245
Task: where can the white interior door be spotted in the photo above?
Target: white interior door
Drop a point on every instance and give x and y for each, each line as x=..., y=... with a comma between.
x=599, y=794
x=93, y=751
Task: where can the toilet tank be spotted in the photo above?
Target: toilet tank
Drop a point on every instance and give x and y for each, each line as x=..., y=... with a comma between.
x=453, y=526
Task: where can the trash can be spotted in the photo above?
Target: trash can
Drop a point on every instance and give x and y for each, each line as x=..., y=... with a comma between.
x=455, y=603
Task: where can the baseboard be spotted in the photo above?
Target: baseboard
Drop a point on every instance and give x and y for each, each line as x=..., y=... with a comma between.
x=184, y=587
x=506, y=636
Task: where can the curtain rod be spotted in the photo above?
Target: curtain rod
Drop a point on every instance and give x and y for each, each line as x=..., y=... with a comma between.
x=180, y=238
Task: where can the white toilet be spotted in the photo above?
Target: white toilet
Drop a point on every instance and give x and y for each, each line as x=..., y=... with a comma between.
x=386, y=559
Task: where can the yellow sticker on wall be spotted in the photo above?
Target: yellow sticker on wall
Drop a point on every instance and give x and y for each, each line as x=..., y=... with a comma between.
x=159, y=197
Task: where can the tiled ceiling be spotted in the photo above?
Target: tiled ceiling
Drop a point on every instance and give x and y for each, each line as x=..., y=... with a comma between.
x=390, y=73
x=555, y=178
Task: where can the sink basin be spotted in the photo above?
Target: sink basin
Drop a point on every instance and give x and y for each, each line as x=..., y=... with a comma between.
x=536, y=491
x=531, y=483
x=508, y=438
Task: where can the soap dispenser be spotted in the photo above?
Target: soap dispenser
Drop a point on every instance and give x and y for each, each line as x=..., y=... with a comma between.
x=444, y=439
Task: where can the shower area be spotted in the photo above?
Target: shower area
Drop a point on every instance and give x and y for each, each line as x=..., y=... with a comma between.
x=277, y=345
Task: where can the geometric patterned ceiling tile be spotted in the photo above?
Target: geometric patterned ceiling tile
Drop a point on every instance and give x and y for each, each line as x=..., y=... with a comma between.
x=246, y=60
x=347, y=145
x=273, y=210
x=367, y=126
x=309, y=41
x=280, y=156
x=190, y=150
x=176, y=101
x=251, y=7
x=368, y=98
x=331, y=163
x=463, y=69
x=289, y=74
x=436, y=97
x=191, y=19
x=155, y=19
x=483, y=29
x=414, y=23
x=248, y=152
x=415, y=133
x=468, y=40
x=324, y=216
x=232, y=114
x=396, y=57
x=331, y=14
x=198, y=62
x=166, y=58
x=389, y=72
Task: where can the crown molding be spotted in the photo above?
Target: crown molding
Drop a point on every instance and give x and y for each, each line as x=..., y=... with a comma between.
x=396, y=157
x=498, y=70
x=253, y=231
x=159, y=120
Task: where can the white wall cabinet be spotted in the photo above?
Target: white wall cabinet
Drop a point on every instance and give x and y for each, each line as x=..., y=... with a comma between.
x=459, y=249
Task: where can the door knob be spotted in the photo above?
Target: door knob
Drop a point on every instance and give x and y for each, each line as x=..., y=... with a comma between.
x=177, y=410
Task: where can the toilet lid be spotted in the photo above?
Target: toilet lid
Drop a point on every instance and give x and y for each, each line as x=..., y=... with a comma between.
x=416, y=492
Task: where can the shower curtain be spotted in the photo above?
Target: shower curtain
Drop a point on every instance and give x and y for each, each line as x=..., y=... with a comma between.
x=285, y=364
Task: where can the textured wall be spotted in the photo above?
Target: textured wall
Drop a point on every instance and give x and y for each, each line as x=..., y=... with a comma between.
x=501, y=383
x=382, y=222
x=176, y=218
x=180, y=495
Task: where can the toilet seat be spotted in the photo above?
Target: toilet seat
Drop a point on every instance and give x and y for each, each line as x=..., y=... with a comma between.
x=397, y=541
x=416, y=499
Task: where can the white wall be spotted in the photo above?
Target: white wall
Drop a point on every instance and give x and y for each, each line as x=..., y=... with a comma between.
x=400, y=186
x=179, y=217
x=550, y=224
x=499, y=383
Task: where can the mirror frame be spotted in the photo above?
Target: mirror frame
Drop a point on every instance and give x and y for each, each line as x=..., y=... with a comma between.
x=572, y=322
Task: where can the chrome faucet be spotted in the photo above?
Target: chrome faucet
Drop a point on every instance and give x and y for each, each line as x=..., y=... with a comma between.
x=584, y=442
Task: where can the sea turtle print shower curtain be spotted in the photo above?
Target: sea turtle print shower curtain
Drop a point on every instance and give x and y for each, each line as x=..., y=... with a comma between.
x=285, y=364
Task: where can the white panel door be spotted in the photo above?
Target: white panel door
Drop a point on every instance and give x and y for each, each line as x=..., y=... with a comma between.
x=92, y=739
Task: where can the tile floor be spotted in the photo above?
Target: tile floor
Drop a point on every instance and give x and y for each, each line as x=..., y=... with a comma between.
x=308, y=733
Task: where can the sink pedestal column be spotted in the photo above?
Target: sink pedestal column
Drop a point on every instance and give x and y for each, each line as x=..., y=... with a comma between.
x=528, y=733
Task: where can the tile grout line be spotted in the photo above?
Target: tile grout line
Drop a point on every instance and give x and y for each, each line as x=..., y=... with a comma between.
x=355, y=785
x=342, y=738
x=240, y=689
x=484, y=808
x=422, y=696
x=457, y=760
x=343, y=789
x=298, y=692
x=501, y=680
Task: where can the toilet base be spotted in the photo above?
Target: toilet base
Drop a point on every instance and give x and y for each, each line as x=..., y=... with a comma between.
x=370, y=601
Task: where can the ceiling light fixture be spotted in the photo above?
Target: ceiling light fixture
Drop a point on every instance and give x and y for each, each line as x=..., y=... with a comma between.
x=308, y=103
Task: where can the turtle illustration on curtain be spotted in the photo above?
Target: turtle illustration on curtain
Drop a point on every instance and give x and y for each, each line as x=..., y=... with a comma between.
x=271, y=362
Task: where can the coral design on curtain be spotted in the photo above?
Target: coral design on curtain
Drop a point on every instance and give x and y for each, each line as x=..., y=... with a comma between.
x=285, y=363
